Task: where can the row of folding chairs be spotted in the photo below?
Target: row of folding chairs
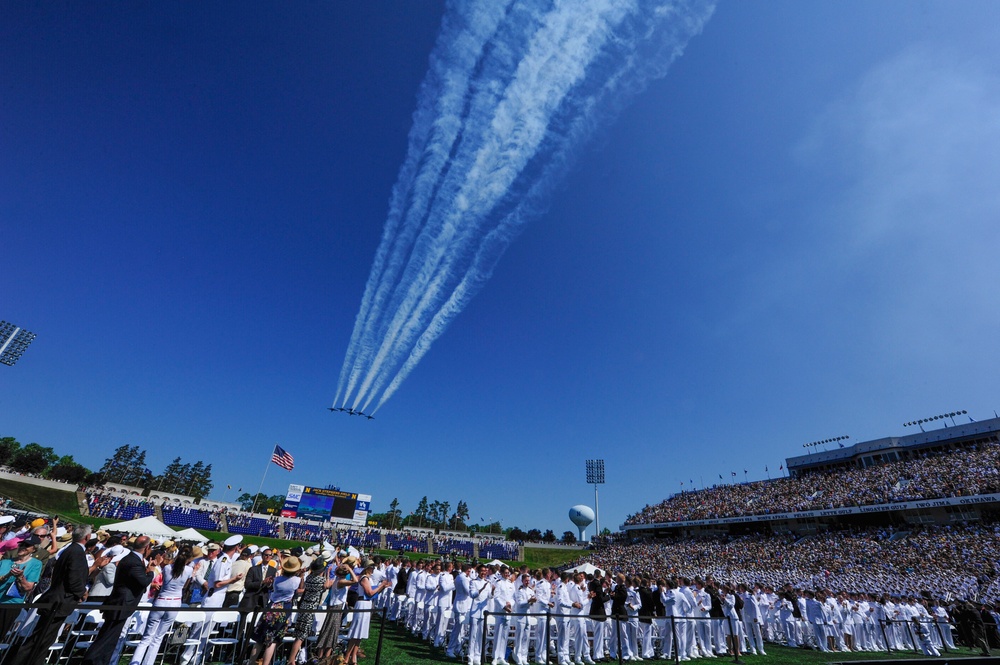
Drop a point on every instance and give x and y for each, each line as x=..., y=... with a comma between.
x=79, y=629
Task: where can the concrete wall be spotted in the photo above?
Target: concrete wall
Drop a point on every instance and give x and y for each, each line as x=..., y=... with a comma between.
x=40, y=482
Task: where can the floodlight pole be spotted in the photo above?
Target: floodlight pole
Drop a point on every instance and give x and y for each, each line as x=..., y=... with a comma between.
x=597, y=513
x=595, y=476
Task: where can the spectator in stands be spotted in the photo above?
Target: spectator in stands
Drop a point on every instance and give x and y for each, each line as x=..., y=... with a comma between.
x=961, y=472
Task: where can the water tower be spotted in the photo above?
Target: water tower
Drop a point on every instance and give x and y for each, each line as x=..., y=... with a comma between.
x=582, y=516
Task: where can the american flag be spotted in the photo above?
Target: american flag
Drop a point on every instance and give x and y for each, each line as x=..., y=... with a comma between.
x=283, y=458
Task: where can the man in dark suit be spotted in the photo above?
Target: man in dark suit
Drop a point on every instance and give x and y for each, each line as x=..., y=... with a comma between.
x=258, y=583
x=68, y=588
x=131, y=579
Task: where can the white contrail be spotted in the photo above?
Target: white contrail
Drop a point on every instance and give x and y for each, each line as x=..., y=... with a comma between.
x=436, y=124
x=555, y=60
x=513, y=95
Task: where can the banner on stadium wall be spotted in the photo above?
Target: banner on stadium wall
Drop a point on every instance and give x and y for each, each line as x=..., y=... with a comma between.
x=313, y=503
x=945, y=502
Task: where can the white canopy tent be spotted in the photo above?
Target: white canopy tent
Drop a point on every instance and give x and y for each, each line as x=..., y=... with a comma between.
x=190, y=534
x=144, y=526
x=586, y=568
x=496, y=562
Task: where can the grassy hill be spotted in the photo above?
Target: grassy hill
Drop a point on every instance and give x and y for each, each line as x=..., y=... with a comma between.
x=41, y=499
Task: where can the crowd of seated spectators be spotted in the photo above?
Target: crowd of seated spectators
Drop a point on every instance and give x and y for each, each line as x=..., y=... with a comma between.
x=460, y=546
x=369, y=538
x=305, y=531
x=498, y=550
x=961, y=560
x=964, y=472
x=119, y=506
x=404, y=541
x=186, y=516
x=249, y=525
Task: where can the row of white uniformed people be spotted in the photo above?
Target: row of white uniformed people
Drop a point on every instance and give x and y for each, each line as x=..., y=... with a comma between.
x=696, y=617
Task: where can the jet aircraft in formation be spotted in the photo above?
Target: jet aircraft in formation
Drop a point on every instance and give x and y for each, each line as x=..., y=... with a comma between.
x=350, y=411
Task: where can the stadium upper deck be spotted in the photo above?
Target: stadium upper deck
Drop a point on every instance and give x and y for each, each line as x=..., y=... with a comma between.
x=941, y=476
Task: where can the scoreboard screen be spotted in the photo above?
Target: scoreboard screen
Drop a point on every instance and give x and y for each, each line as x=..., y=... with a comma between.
x=313, y=503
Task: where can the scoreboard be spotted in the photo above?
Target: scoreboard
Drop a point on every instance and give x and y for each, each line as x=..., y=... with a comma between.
x=313, y=503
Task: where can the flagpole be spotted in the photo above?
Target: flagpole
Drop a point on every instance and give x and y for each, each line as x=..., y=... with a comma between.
x=254, y=507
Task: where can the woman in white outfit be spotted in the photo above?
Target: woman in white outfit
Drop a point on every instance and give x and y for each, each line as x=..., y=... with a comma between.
x=175, y=576
x=362, y=619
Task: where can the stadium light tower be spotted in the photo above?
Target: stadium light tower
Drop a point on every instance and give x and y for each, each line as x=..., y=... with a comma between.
x=13, y=342
x=595, y=477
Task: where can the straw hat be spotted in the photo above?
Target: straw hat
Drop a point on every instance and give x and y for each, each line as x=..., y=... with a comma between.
x=291, y=565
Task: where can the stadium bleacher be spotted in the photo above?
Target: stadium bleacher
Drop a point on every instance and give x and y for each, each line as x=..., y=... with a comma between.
x=190, y=517
x=118, y=506
x=966, y=471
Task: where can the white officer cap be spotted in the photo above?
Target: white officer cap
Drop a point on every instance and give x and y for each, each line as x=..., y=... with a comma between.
x=233, y=541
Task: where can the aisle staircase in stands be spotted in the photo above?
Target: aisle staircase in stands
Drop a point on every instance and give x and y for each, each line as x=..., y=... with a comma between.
x=82, y=503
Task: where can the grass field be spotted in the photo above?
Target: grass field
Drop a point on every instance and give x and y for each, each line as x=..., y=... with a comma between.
x=542, y=557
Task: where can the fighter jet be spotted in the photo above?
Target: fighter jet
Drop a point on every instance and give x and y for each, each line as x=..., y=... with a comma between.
x=335, y=408
x=369, y=417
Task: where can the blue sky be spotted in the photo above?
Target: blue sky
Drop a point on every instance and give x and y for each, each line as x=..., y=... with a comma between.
x=791, y=236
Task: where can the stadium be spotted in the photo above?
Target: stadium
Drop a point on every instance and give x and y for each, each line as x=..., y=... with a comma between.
x=893, y=542
x=898, y=515
x=512, y=236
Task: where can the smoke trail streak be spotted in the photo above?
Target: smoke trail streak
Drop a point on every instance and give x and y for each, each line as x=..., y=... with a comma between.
x=435, y=122
x=510, y=98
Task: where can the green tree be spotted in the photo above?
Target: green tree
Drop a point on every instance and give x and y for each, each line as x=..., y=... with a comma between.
x=534, y=534
x=264, y=502
x=394, y=513
x=516, y=534
x=67, y=470
x=199, y=480
x=127, y=465
x=442, y=520
x=569, y=537
x=8, y=449
x=168, y=480
x=548, y=536
x=461, y=516
x=421, y=513
x=33, y=458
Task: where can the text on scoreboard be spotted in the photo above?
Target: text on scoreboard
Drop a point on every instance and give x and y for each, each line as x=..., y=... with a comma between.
x=313, y=503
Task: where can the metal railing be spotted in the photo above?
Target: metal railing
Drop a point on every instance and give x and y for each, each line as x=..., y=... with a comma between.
x=617, y=619
x=73, y=618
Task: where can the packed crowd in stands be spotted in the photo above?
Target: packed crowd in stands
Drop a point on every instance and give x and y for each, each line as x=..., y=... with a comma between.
x=963, y=472
x=961, y=561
